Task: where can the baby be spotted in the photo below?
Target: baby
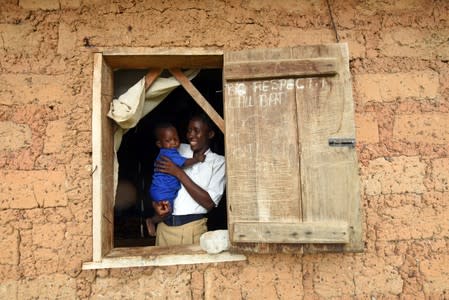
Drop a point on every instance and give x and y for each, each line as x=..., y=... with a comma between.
x=164, y=187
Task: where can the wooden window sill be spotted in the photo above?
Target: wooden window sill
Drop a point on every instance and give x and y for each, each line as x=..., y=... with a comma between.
x=160, y=256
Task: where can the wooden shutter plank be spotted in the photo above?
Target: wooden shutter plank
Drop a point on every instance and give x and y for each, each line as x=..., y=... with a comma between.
x=277, y=69
x=262, y=164
x=305, y=232
x=329, y=175
x=261, y=155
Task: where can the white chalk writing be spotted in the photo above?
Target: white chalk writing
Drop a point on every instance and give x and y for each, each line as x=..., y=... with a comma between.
x=265, y=93
x=273, y=85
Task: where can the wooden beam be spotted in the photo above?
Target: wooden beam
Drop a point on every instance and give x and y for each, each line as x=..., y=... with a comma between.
x=306, y=232
x=280, y=68
x=145, y=58
x=131, y=51
x=199, y=99
x=96, y=158
x=151, y=77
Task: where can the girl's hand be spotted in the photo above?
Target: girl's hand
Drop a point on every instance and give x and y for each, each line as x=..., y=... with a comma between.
x=165, y=165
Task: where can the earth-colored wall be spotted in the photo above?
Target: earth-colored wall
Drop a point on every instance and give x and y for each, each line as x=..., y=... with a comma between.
x=400, y=67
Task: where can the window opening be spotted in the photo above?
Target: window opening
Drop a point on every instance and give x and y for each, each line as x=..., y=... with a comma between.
x=138, y=151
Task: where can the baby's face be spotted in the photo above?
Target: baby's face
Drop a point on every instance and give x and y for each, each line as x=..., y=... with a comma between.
x=168, y=138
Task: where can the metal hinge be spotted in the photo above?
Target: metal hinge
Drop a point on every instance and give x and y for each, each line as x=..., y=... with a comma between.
x=342, y=142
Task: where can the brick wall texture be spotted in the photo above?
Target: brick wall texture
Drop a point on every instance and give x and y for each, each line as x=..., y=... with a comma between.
x=399, y=61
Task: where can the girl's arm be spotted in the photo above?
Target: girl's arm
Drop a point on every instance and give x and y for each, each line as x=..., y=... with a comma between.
x=165, y=165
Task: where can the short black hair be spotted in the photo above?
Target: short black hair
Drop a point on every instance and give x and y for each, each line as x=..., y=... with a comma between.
x=201, y=115
x=161, y=125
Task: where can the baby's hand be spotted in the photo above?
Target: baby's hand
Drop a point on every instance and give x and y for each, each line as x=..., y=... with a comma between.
x=162, y=208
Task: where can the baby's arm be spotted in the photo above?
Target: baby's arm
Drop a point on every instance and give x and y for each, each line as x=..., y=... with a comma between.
x=195, y=159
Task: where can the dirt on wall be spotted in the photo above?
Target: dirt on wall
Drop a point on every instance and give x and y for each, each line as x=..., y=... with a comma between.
x=399, y=60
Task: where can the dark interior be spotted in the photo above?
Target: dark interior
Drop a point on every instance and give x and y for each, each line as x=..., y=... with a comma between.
x=138, y=151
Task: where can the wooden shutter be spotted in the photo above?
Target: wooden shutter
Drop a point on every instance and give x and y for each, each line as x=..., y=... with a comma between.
x=291, y=165
x=102, y=159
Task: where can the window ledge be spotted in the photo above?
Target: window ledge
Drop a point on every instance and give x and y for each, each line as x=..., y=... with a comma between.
x=160, y=256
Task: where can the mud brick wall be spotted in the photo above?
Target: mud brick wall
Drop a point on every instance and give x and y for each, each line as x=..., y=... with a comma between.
x=400, y=67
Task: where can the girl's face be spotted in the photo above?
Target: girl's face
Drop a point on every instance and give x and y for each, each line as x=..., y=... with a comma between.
x=168, y=138
x=199, y=135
